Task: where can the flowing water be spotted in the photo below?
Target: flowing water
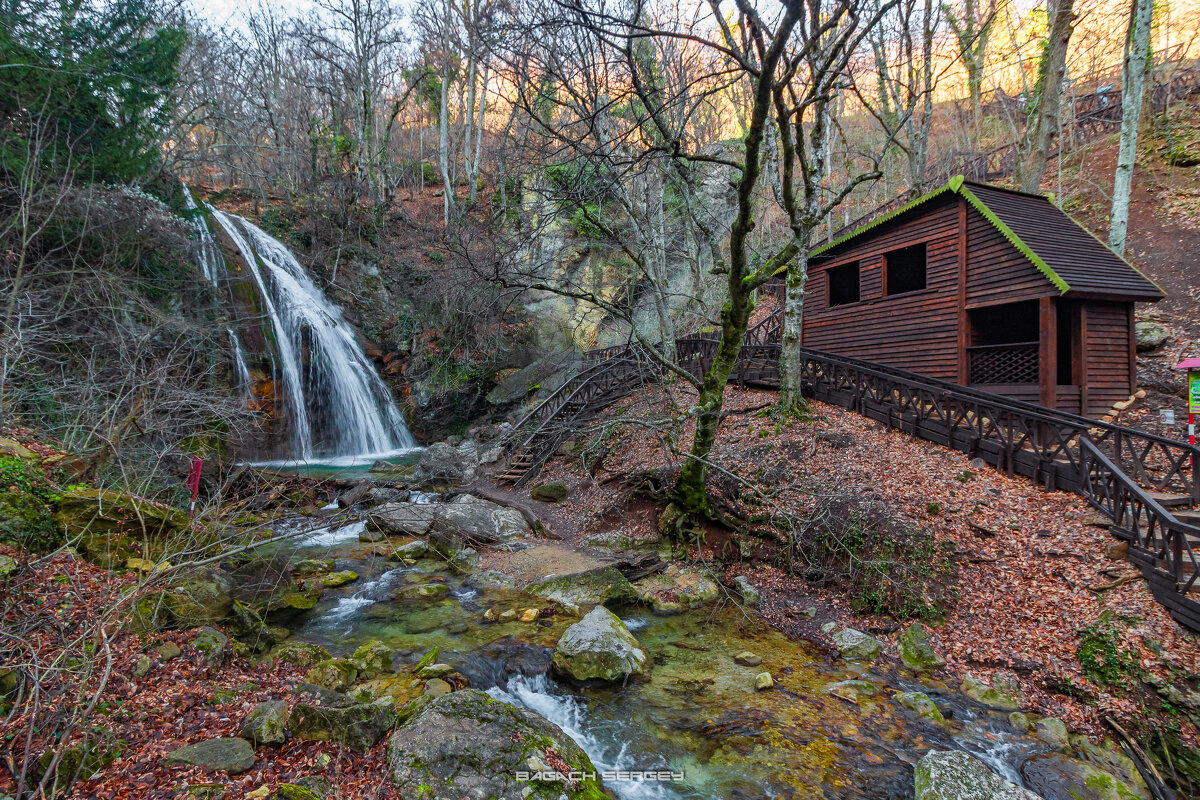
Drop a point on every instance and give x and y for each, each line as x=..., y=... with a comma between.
x=696, y=712
x=338, y=410
x=245, y=382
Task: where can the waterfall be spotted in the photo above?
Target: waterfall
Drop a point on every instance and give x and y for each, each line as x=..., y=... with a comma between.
x=338, y=406
x=208, y=256
x=245, y=383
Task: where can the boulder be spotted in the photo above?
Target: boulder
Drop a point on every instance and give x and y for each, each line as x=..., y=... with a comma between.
x=402, y=519
x=248, y=627
x=598, y=648
x=1002, y=695
x=480, y=521
x=355, y=494
x=334, y=674
x=677, y=588
x=380, y=495
x=87, y=510
x=308, y=567
x=341, y=578
x=371, y=659
x=746, y=589
x=266, y=723
x=921, y=704
x=748, y=659
x=619, y=540
x=229, y=755
x=1150, y=335
x=549, y=492
x=213, y=645
x=1053, y=731
x=356, y=725
x=598, y=586
x=915, y=650
x=854, y=645
x=467, y=744
x=444, y=465
x=204, y=597
x=955, y=775
x=300, y=654
x=412, y=551
x=491, y=579
x=11, y=447
x=763, y=681
x=1056, y=776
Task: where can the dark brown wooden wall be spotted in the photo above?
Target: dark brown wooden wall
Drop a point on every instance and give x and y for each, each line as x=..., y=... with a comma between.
x=997, y=272
x=1108, y=354
x=916, y=331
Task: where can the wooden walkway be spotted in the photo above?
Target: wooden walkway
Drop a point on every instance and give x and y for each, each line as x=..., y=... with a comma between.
x=1139, y=480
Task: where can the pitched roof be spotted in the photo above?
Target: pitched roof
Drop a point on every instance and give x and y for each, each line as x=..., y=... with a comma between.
x=1070, y=257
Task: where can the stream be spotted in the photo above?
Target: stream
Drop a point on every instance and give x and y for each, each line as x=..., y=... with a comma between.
x=696, y=713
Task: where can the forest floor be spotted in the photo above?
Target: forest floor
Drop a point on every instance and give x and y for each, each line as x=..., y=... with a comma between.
x=1033, y=575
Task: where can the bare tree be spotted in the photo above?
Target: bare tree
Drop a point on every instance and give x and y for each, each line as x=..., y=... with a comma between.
x=1133, y=83
x=1041, y=129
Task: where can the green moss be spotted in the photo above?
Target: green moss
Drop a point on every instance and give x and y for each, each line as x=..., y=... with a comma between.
x=1101, y=655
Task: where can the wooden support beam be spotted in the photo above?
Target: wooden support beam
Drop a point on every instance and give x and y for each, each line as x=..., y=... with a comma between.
x=1132, y=351
x=964, y=322
x=1048, y=352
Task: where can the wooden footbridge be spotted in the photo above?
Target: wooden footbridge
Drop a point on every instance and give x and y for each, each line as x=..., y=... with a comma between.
x=1145, y=484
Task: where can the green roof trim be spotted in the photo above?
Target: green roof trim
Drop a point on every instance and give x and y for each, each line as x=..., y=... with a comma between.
x=955, y=186
x=1015, y=240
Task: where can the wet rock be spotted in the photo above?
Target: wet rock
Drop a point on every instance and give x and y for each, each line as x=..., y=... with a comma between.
x=308, y=567
x=266, y=723
x=372, y=658
x=528, y=615
x=598, y=586
x=955, y=775
x=677, y=589
x=354, y=495
x=436, y=671
x=1053, y=731
x=763, y=681
x=232, y=756
x=356, y=725
x=248, y=627
x=443, y=465
x=402, y=519
x=1021, y=722
x=598, y=648
x=334, y=674
x=480, y=521
x=335, y=579
x=549, y=492
x=467, y=744
x=746, y=589
x=852, y=690
x=921, y=704
x=748, y=659
x=854, y=645
x=98, y=519
x=1150, y=335
x=915, y=650
x=1001, y=696
x=412, y=551
x=1056, y=776
x=437, y=687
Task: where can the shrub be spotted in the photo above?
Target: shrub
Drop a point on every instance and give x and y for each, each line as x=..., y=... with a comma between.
x=1100, y=653
x=882, y=562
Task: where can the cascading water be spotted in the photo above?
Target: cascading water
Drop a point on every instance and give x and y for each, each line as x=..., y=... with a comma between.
x=208, y=255
x=338, y=406
x=239, y=362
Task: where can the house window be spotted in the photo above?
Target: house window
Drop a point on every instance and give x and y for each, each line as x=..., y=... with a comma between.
x=843, y=284
x=905, y=270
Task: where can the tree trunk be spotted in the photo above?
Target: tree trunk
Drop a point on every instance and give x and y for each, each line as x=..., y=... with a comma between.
x=1133, y=84
x=444, y=146
x=790, y=360
x=1042, y=129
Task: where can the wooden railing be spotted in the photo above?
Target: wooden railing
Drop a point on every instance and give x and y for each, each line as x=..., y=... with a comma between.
x=1159, y=543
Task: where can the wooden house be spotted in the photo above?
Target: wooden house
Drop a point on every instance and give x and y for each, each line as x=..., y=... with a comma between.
x=985, y=287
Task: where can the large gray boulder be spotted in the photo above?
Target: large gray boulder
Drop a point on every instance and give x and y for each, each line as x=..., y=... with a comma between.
x=1150, y=335
x=915, y=650
x=467, y=744
x=332, y=717
x=444, y=465
x=266, y=723
x=598, y=649
x=955, y=775
x=227, y=755
x=854, y=645
x=402, y=519
x=599, y=586
x=480, y=521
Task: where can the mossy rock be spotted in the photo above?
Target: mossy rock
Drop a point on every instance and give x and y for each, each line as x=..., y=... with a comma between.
x=300, y=653
x=599, y=586
x=229, y=755
x=372, y=658
x=915, y=650
x=467, y=744
x=677, y=589
x=550, y=492
x=84, y=510
x=213, y=645
x=1056, y=776
x=334, y=674
x=1002, y=696
x=313, y=566
x=598, y=648
x=921, y=704
x=335, y=579
x=266, y=723
x=356, y=725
